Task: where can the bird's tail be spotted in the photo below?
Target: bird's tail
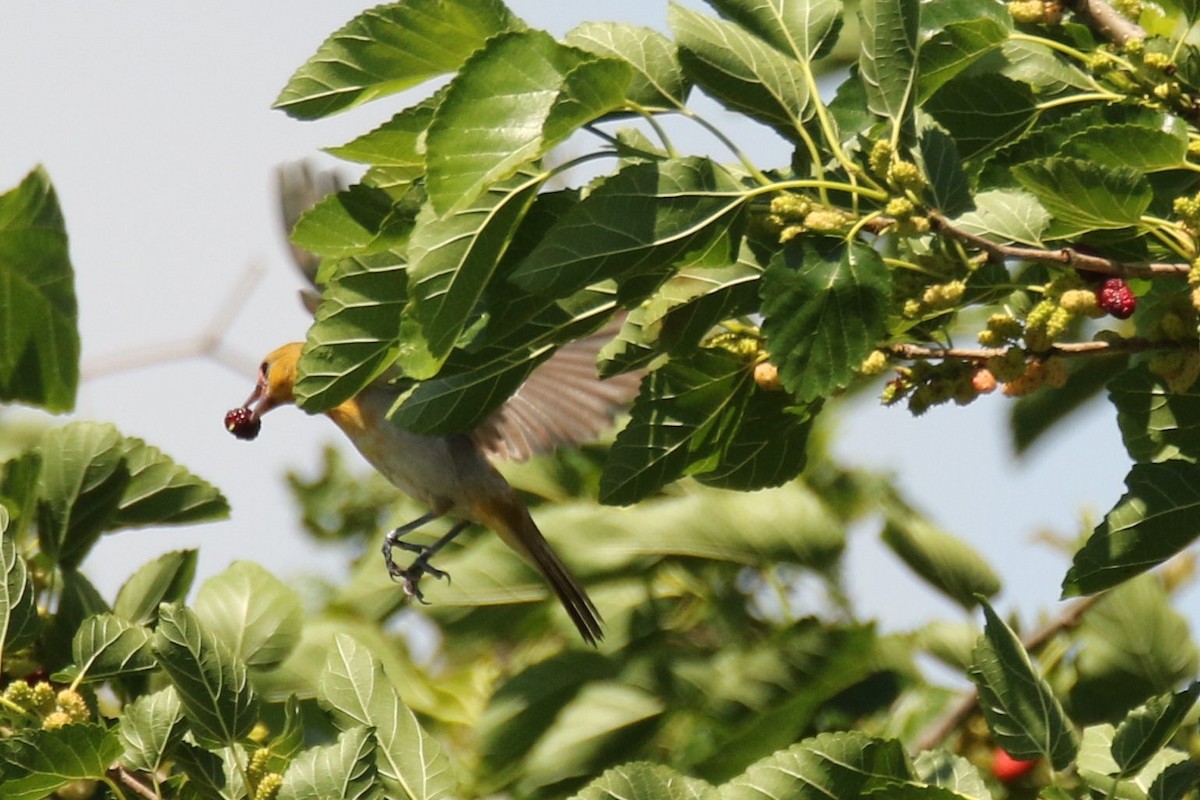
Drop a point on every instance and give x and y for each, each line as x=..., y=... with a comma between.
x=518, y=530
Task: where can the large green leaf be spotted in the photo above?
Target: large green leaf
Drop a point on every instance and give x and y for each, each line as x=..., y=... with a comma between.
x=1006, y=216
x=742, y=71
x=150, y=726
x=641, y=781
x=357, y=691
x=35, y=763
x=1148, y=729
x=212, y=682
x=981, y=111
x=356, y=334
x=1023, y=715
x=657, y=78
x=344, y=769
x=107, y=646
x=805, y=31
x=832, y=766
x=353, y=222
x=161, y=492
x=1099, y=772
x=390, y=48
x=18, y=607
x=399, y=142
x=1137, y=147
x=946, y=562
x=705, y=416
x=956, y=47
x=887, y=63
x=1158, y=516
x=39, y=351
x=638, y=222
x=511, y=102
x=1156, y=423
x=685, y=309
x=454, y=257
x=166, y=579
x=825, y=309
x=256, y=615
x=1082, y=196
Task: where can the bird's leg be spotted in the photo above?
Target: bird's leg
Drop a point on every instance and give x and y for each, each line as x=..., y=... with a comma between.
x=420, y=566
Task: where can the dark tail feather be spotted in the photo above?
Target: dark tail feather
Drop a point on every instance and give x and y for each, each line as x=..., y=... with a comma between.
x=574, y=599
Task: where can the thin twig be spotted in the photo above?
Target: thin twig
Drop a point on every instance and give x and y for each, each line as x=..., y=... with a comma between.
x=915, y=352
x=933, y=735
x=1066, y=256
x=130, y=780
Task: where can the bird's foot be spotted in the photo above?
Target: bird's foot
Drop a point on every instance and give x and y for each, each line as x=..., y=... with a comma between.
x=410, y=577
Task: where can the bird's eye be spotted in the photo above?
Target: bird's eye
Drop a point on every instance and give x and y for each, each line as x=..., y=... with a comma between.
x=262, y=369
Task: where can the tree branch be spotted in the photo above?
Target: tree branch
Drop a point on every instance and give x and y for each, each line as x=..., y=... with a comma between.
x=130, y=780
x=914, y=352
x=1104, y=20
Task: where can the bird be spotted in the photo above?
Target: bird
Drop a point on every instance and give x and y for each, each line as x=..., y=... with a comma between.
x=563, y=401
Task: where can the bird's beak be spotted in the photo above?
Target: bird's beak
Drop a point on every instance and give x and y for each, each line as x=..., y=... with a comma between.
x=259, y=402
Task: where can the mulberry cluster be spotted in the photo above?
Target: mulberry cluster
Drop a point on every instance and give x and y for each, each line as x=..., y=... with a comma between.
x=54, y=709
x=925, y=385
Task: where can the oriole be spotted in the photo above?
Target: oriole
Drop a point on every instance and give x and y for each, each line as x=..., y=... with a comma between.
x=562, y=401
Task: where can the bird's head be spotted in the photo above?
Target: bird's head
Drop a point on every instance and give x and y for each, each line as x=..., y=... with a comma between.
x=276, y=380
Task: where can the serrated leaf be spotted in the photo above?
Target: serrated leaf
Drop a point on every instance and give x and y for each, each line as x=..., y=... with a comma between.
x=687, y=307
x=1174, y=782
x=638, y=222
x=705, y=416
x=952, y=772
x=356, y=333
x=213, y=684
x=1083, y=197
x=356, y=221
x=981, y=111
x=252, y=613
x=806, y=31
x=82, y=481
x=1158, y=516
x=359, y=694
x=1038, y=65
x=1007, y=215
x=825, y=308
x=454, y=258
x=39, y=352
x=399, y=142
x=38, y=762
x=1136, y=147
x=946, y=562
x=836, y=766
x=741, y=71
x=207, y=773
x=508, y=106
x=345, y=769
x=150, y=727
x=1147, y=730
x=18, y=607
x=161, y=492
x=640, y=781
x=166, y=579
x=1023, y=715
x=956, y=47
x=1156, y=423
x=107, y=646
x=887, y=63
x=389, y=48
x=657, y=80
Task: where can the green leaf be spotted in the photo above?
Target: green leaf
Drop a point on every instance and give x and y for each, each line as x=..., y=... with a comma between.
x=150, y=727
x=1174, y=782
x=950, y=771
x=508, y=106
x=166, y=579
x=1006, y=216
x=1156, y=423
x=1136, y=147
x=161, y=492
x=688, y=306
x=888, y=61
x=399, y=142
x=83, y=480
x=947, y=181
x=946, y=562
x=1148, y=729
x=825, y=309
x=39, y=351
x=78, y=599
x=208, y=774
x=1083, y=197
x=454, y=258
x=36, y=763
x=355, y=336
x=1023, y=715
x=356, y=221
x=1042, y=67
x=741, y=71
x=956, y=47
x=640, y=781
x=251, y=612
x=805, y=31
x=19, y=478
x=834, y=766
x=356, y=690
x=107, y=646
x=657, y=78
x=345, y=769
x=1100, y=773
x=638, y=222
x=705, y=416
x=1158, y=516
x=212, y=683
x=389, y=48
x=18, y=607
x=981, y=111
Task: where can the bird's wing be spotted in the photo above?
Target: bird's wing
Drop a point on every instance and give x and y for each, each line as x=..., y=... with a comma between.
x=562, y=402
x=301, y=186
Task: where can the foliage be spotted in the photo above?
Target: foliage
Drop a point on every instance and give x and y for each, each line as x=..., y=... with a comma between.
x=981, y=168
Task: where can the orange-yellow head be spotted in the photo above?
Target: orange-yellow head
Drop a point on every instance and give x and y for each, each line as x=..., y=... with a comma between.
x=276, y=379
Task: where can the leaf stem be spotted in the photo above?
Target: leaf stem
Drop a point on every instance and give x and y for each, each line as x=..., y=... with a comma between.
x=658, y=129
x=729, y=144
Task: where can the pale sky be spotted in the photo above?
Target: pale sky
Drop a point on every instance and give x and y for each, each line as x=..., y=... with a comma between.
x=154, y=122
